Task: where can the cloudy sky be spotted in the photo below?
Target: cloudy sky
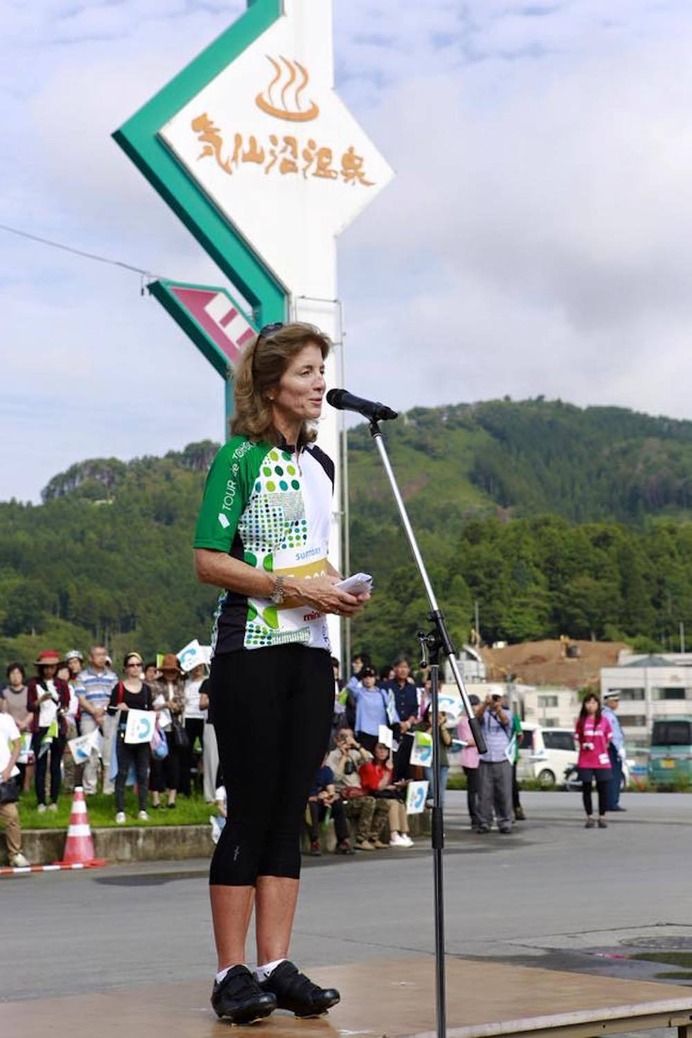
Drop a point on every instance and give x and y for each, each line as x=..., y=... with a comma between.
x=536, y=240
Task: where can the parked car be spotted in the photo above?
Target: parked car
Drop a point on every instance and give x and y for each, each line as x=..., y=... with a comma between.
x=545, y=754
x=670, y=756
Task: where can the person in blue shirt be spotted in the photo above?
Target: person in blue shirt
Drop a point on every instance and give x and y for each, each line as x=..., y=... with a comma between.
x=616, y=750
x=374, y=707
x=495, y=765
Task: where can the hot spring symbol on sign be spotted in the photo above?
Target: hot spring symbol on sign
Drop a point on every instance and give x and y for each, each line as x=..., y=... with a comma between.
x=298, y=79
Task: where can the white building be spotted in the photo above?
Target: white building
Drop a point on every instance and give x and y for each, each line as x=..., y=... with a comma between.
x=650, y=687
x=549, y=707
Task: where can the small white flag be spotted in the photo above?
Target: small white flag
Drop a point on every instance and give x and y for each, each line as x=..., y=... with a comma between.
x=421, y=754
x=81, y=747
x=416, y=795
x=140, y=725
x=384, y=735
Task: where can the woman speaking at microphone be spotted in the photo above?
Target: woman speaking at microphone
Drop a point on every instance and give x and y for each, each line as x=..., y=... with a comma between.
x=262, y=536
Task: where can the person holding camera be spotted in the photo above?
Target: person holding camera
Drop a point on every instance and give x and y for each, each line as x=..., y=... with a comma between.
x=369, y=814
x=48, y=699
x=495, y=766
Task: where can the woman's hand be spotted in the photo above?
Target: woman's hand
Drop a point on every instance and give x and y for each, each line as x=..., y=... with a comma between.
x=323, y=593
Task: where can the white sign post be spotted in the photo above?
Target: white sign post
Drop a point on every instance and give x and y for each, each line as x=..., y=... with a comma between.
x=275, y=167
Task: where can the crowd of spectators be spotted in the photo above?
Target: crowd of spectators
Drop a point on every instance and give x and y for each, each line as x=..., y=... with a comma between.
x=360, y=788
x=72, y=698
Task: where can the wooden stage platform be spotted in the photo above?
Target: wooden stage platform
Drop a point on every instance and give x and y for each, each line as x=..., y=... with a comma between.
x=393, y=998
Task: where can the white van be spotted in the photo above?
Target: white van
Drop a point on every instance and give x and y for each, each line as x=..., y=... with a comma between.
x=545, y=754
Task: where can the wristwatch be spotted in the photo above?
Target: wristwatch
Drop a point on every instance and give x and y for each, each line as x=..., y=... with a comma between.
x=277, y=596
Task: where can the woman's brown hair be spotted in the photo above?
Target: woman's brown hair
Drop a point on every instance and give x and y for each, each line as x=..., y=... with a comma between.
x=258, y=372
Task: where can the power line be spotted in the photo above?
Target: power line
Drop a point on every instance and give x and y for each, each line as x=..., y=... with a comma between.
x=77, y=252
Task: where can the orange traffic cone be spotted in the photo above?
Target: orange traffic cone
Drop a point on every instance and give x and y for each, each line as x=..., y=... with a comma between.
x=79, y=845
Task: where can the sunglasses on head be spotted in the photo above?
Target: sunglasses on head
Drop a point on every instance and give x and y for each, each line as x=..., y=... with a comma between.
x=269, y=329
x=265, y=331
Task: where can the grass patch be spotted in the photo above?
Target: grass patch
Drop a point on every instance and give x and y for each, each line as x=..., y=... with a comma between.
x=101, y=810
x=670, y=958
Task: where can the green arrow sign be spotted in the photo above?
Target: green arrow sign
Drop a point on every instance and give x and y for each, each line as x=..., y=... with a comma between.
x=139, y=138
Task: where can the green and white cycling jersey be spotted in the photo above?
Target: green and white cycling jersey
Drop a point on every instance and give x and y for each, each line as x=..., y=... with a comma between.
x=271, y=508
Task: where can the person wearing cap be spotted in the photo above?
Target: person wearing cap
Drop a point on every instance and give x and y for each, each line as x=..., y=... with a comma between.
x=169, y=700
x=374, y=708
x=263, y=538
x=616, y=749
x=495, y=765
x=48, y=699
x=468, y=759
x=93, y=686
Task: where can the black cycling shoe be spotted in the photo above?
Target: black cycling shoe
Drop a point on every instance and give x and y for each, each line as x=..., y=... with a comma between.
x=240, y=999
x=294, y=991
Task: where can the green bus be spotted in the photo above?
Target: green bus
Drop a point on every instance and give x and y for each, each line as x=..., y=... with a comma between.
x=670, y=757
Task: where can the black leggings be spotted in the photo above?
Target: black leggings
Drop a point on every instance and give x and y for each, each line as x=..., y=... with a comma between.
x=318, y=813
x=272, y=713
x=137, y=755
x=54, y=754
x=602, y=788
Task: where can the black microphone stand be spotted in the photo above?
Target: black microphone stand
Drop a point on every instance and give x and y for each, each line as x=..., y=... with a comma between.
x=436, y=640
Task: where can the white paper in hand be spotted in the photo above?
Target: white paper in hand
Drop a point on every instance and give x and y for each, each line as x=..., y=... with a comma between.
x=358, y=584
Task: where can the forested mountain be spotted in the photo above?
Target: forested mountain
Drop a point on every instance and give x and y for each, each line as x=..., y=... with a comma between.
x=553, y=519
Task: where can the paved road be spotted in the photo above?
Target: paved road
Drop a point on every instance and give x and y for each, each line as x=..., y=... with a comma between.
x=552, y=894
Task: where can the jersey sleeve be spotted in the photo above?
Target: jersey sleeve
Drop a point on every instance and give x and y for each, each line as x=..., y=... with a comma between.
x=226, y=492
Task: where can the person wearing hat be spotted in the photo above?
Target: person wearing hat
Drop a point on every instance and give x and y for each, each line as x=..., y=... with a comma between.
x=495, y=765
x=468, y=759
x=169, y=700
x=48, y=699
x=374, y=708
x=616, y=749
x=93, y=686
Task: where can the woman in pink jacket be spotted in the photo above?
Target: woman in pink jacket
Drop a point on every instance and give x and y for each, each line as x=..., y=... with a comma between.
x=593, y=734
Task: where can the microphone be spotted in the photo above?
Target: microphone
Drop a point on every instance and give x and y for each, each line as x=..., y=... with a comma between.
x=342, y=400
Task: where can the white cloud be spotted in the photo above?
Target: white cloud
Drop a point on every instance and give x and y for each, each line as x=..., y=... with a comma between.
x=536, y=239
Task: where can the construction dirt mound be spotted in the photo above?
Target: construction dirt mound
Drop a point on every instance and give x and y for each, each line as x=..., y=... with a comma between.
x=572, y=664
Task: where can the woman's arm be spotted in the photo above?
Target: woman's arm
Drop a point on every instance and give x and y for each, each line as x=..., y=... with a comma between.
x=223, y=571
